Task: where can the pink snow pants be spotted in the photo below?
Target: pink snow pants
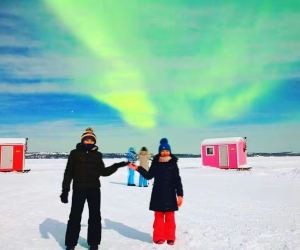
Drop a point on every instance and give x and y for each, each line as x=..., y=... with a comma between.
x=164, y=226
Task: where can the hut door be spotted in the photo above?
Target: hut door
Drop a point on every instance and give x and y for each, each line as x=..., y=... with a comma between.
x=223, y=156
x=6, y=157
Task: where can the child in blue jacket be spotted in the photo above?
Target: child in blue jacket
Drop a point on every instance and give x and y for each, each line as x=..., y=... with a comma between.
x=131, y=157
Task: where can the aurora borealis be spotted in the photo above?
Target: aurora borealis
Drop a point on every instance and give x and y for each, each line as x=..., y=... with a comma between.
x=152, y=67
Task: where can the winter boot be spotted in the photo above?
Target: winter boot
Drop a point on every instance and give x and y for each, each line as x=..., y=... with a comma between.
x=93, y=247
x=70, y=248
x=159, y=242
x=171, y=242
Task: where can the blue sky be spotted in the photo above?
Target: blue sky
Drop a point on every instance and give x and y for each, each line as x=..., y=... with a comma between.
x=138, y=72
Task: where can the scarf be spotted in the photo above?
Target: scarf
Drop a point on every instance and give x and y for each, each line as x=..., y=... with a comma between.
x=164, y=158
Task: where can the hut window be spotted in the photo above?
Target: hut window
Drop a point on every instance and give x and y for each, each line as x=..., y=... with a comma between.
x=209, y=150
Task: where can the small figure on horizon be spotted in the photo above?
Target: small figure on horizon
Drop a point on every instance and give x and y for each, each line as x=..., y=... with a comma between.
x=144, y=158
x=131, y=157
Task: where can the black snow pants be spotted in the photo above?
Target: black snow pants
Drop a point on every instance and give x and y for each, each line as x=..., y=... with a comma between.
x=93, y=197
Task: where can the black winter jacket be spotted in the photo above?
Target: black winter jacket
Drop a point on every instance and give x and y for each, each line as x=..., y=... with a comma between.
x=167, y=184
x=84, y=168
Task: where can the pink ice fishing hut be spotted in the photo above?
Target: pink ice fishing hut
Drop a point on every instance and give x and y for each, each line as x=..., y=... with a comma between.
x=226, y=153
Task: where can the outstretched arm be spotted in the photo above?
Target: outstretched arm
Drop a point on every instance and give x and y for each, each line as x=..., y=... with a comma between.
x=107, y=171
x=147, y=174
x=144, y=173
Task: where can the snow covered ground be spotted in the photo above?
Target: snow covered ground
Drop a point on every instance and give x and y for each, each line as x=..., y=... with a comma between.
x=223, y=209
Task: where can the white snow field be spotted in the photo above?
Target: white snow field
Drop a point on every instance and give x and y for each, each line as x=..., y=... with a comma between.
x=222, y=209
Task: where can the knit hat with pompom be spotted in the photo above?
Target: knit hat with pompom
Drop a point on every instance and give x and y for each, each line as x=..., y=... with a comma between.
x=88, y=134
x=164, y=145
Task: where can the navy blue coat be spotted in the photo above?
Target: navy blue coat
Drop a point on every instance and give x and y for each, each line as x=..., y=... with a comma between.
x=167, y=184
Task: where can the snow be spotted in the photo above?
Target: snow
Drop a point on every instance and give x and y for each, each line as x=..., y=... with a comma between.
x=13, y=140
x=222, y=209
x=227, y=140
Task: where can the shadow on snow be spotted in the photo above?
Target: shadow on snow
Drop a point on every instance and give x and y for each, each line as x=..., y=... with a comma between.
x=57, y=229
x=127, y=231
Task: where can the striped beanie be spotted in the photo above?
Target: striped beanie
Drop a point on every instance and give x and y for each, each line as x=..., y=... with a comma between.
x=88, y=134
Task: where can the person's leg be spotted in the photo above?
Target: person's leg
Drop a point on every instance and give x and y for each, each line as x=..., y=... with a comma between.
x=130, y=177
x=132, y=173
x=158, y=227
x=170, y=226
x=145, y=184
x=94, y=223
x=73, y=227
x=141, y=180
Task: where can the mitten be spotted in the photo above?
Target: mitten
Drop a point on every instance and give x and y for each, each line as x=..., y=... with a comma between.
x=64, y=196
x=179, y=200
x=132, y=166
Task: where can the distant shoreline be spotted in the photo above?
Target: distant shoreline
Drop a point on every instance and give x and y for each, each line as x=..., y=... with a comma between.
x=61, y=155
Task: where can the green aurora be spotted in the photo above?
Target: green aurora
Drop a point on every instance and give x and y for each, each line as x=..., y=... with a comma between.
x=191, y=63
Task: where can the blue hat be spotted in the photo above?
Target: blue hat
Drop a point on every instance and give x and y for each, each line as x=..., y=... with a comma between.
x=164, y=145
x=131, y=149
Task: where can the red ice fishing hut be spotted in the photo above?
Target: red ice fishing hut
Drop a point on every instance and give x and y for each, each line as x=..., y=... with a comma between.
x=12, y=154
x=227, y=153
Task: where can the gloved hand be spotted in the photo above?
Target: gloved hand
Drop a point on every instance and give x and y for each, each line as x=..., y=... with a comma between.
x=64, y=196
x=179, y=200
x=132, y=166
x=121, y=164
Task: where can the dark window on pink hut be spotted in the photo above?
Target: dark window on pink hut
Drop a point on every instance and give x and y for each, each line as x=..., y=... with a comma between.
x=210, y=150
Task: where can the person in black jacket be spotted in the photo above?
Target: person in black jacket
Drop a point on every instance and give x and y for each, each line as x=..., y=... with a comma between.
x=84, y=167
x=167, y=192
